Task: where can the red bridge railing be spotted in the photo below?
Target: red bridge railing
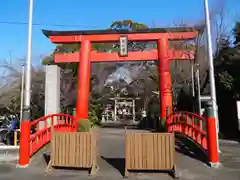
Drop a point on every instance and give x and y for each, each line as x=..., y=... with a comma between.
x=190, y=124
x=36, y=134
x=42, y=136
x=201, y=130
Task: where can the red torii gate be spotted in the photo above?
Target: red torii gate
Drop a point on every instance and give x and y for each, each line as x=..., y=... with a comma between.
x=85, y=56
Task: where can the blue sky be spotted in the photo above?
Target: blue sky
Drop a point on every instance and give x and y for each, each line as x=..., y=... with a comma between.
x=92, y=15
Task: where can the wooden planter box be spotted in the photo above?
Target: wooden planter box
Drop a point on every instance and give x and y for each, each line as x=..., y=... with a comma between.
x=150, y=152
x=74, y=149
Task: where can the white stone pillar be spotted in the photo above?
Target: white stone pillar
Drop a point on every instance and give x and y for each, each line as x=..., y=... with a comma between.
x=52, y=91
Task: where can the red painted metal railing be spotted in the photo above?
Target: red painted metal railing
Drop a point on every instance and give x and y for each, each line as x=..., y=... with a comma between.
x=42, y=129
x=190, y=124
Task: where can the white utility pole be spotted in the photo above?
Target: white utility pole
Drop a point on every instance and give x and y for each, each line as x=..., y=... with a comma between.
x=211, y=66
x=22, y=92
x=27, y=90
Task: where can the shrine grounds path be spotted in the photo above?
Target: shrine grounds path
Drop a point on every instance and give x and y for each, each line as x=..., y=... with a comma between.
x=111, y=162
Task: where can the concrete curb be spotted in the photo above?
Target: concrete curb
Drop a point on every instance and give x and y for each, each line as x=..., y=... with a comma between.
x=8, y=154
x=4, y=147
x=224, y=141
x=9, y=158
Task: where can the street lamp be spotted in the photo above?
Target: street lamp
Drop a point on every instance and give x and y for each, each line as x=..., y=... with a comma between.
x=27, y=92
x=211, y=67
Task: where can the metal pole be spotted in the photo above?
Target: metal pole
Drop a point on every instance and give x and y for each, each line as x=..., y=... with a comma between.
x=198, y=91
x=193, y=82
x=24, y=150
x=211, y=66
x=134, y=110
x=22, y=92
x=27, y=95
x=115, y=110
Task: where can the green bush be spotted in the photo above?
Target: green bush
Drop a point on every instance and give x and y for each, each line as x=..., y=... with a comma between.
x=84, y=125
x=93, y=118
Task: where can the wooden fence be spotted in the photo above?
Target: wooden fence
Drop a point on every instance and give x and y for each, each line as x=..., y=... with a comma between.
x=74, y=149
x=150, y=152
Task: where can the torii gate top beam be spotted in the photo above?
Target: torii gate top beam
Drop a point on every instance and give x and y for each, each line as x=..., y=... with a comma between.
x=113, y=35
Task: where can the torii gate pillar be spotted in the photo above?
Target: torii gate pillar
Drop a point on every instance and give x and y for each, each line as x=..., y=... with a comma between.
x=84, y=67
x=165, y=80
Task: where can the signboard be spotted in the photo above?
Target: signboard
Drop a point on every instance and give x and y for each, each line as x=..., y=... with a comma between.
x=123, y=46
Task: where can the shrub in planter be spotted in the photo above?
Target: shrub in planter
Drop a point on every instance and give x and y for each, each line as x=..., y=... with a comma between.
x=84, y=125
x=93, y=118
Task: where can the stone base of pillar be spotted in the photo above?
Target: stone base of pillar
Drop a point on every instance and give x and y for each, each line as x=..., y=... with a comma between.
x=215, y=165
x=20, y=166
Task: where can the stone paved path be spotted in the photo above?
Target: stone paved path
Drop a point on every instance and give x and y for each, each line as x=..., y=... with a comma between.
x=111, y=154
